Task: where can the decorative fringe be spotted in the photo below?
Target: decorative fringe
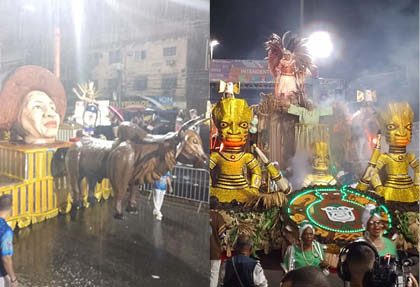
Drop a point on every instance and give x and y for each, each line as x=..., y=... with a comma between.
x=267, y=200
x=264, y=227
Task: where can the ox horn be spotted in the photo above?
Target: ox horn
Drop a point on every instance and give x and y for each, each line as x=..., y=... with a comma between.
x=171, y=135
x=192, y=123
x=159, y=138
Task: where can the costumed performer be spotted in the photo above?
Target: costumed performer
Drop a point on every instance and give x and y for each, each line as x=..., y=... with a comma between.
x=308, y=252
x=288, y=62
x=375, y=228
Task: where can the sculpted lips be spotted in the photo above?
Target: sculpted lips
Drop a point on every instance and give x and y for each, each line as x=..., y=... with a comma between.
x=51, y=124
x=234, y=138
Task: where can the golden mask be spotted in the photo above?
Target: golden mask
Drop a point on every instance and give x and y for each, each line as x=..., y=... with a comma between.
x=321, y=157
x=232, y=118
x=396, y=121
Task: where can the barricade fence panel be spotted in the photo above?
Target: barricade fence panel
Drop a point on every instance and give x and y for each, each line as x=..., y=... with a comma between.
x=25, y=173
x=188, y=183
x=65, y=134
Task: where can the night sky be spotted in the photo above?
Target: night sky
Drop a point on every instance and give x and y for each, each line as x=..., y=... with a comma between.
x=372, y=36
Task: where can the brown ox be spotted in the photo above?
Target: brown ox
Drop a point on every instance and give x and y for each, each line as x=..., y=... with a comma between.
x=131, y=163
x=134, y=159
x=87, y=159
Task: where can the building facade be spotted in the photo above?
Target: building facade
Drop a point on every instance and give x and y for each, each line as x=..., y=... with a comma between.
x=153, y=68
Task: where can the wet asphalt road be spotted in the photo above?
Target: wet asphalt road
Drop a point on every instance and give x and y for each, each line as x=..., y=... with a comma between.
x=91, y=248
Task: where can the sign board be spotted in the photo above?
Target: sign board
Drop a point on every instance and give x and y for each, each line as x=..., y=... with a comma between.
x=244, y=71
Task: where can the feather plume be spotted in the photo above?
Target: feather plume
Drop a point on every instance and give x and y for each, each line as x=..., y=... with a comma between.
x=275, y=48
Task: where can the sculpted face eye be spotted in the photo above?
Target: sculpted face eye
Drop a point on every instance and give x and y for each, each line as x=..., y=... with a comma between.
x=195, y=141
x=223, y=125
x=243, y=125
x=391, y=127
x=408, y=127
x=52, y=107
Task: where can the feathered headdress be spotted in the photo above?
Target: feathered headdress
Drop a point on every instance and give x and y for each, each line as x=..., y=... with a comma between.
x=276, y=46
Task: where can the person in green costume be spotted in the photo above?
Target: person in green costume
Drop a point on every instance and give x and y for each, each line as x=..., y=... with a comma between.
x=375, y=228
x=308, y=252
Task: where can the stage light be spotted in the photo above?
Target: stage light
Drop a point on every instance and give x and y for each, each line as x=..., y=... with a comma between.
x=320, y=45
x=214, y=43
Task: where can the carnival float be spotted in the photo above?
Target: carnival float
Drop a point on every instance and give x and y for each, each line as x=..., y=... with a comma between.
x=251, y=147
x=47, y=177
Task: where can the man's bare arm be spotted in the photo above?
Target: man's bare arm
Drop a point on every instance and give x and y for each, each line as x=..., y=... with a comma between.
x=8, y=265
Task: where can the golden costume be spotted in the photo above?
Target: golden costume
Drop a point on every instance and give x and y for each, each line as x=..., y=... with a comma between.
x=229, y=181
x=364, y=182
x=397, y=120
x=320, y=165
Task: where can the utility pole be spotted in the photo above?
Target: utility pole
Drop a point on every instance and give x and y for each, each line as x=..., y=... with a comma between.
x=302, y=15
x=57, y=48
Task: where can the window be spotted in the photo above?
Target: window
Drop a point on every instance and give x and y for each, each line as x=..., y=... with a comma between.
x=170, y=51
x=170, y=62
x=140, y=83
x=115, y=56
x=140, y=55
x=169, y=82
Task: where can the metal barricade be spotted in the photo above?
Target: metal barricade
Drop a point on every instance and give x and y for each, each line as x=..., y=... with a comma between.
x=188, y=183
x=66, y=132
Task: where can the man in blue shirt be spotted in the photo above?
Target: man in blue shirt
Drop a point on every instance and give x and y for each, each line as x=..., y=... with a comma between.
x=7, y=275
x=159, y=193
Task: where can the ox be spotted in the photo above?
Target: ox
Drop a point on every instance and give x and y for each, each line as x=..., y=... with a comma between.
x=132, y=163
x=136, y=158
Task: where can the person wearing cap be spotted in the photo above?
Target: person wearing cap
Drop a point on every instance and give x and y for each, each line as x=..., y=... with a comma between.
x=307, y=252
x=33, y=105
x=375, y=228
x=7, y=274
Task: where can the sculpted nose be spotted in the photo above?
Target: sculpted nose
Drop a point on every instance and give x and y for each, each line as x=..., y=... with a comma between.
x=49, y=112
x=401, y=131
x=234, y=129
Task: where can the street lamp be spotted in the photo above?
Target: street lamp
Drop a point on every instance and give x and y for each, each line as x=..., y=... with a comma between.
x=213, y=43
x=319, y=44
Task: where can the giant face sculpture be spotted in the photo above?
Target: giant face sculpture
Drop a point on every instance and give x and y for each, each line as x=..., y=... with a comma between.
x=232, y=117
x=32, y=103
x=396, y=120
x=321, y=157
x=39, y=118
